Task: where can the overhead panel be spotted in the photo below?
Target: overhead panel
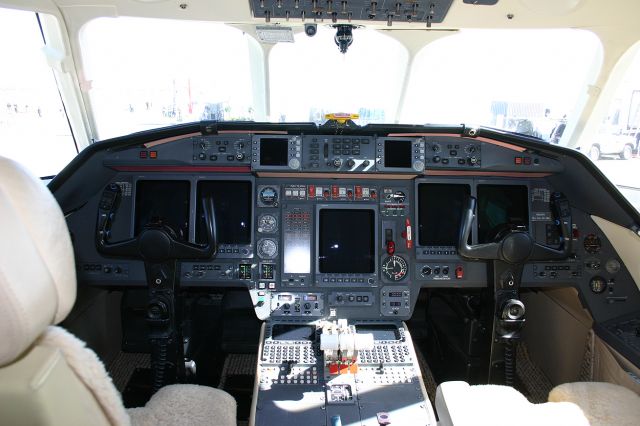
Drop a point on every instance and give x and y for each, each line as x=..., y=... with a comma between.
x=345, y=11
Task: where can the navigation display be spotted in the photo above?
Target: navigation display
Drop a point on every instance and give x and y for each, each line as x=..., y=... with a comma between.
x=397, y=154
x=500, y=208
x=346, y=241
x=440, y=208
x=163, y=202
x=273, y=151
x=232, y=202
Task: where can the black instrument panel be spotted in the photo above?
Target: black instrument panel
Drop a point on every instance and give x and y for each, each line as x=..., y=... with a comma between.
x=307, y=243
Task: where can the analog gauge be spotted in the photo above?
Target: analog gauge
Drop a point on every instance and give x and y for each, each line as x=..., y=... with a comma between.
x=598, y=284
x=267, y=224
x=269, y=196
x=397, y=197
x=395, y=268
x=612, y=266
x=470, y=149
x=267, y=248
x=592, y=243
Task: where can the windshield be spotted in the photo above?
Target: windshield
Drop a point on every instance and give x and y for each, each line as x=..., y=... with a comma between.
x=322, y=80
x=528, y=81
x=149, y=73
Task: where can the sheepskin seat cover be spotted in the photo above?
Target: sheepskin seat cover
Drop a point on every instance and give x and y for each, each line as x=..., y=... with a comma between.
x=602, y=403
x=186, y=405
x=460, y=404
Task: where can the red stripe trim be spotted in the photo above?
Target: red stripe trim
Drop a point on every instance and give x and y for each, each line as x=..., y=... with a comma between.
x=183, y=169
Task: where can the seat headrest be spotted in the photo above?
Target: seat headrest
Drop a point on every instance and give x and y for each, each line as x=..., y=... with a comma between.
x=37, y=269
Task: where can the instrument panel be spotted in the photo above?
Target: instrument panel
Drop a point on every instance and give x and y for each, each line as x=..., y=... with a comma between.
x=322, y=226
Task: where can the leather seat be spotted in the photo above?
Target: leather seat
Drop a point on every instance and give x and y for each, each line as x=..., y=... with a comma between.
x=48, y=376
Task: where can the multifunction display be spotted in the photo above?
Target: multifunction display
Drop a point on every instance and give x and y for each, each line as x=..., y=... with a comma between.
x=346, y=241
x=233, y=203
x=501, y=208
x=163, y=203
x=440, y=208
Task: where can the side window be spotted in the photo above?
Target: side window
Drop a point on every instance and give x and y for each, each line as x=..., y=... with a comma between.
x=33, y=125
x=614, y=148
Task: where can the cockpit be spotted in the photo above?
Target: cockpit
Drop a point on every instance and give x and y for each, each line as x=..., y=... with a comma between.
x=337, y=270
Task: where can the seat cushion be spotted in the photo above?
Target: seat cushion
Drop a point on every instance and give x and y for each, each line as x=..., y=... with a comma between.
x=186, y=405
x=459, y=404
x=602, y=403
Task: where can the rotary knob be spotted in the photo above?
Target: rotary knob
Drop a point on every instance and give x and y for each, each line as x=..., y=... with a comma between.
x=337, y=163
x=351, y=163
x=294, y=164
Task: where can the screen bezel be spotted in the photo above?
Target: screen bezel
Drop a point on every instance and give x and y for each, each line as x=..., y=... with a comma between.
x=417, y=143
x=448, y=252
x=193, y=180
x=376, y=250
x=294, y=142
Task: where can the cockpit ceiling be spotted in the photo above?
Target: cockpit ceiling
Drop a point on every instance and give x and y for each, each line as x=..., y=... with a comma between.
x=448, y=14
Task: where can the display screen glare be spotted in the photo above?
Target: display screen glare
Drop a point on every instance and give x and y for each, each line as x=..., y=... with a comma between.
x=346, y=241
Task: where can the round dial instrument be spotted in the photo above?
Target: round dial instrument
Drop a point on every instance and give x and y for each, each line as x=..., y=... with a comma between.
x=598, y=284
x=592, y=243
x=612, y=266
x=267, y=223
x=394, y=268
x=269, y=196
x=267, y=248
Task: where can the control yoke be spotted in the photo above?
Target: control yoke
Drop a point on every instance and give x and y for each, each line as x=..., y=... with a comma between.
x=160, y=249
x=509, y=253
x=517, y=246
x=157, y=243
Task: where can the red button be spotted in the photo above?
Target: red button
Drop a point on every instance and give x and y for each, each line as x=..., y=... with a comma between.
x=391, y=247
x=153, y=154
x=334, y=191
x=459, y=272
x=358, y=191
x=518, y=160
x=312, y=191
x=143, y=154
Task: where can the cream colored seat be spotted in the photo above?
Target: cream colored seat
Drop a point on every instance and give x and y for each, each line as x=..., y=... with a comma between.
x=602, y=403
x=459, y=404
x=47, y=376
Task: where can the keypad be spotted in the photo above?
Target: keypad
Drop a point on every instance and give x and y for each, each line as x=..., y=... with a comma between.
x=384, y=354
x=274, y=353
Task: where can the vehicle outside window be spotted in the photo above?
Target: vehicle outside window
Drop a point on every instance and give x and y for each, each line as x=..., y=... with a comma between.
x=528, y=81
x=614, y=149
x=33, y=125
x=149, y=73
x=310, y=77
